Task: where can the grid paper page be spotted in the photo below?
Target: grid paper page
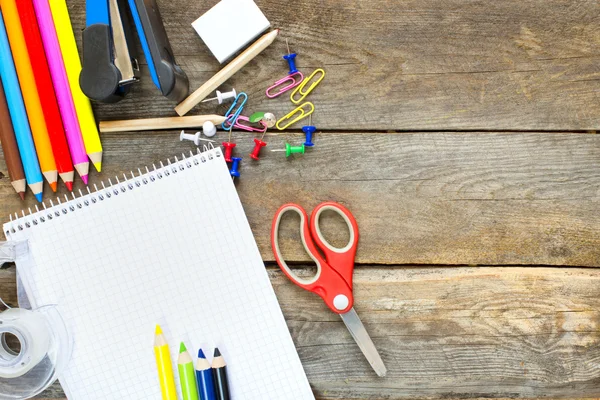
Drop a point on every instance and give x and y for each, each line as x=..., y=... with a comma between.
x=177, y=251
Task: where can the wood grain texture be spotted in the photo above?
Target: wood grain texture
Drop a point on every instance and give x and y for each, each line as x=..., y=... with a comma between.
x=407, y=65
x=419, y=198
x=448, y=333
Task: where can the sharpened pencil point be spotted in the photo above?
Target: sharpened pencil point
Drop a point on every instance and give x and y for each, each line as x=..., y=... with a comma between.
x=53, y=186
x=84, y=178
x=158, y=331
x=98, y=166
x=38, y=197
x=22, y=195
x=217, y=352
x=201, y=354
x=182, y=347
x=69, y=186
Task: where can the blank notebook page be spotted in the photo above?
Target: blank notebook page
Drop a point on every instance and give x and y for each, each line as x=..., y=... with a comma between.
x=177, y=251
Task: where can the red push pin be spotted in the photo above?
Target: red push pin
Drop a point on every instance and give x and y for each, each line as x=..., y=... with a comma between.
x=258, y=144
x=228, y=150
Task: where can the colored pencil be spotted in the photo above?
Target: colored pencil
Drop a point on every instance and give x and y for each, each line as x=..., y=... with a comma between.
x=219, y=373
x=204, y=379
x=41, y=72
x=187, y=374
x=62, y=88
x=10, y=148
x=29, y=91
x=18, y=115
x=165, y=368
x=68, y=46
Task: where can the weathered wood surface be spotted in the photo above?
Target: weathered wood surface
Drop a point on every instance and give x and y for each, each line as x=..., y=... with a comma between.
x=422, y=198
x=408, y=65
x=448, y=333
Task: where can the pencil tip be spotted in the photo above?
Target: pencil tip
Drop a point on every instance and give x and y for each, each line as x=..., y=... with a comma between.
x=217, y=352
x=158, y=331
x=22, y=195
x=38, y=197
x=201, y=354
x=84, y=178
x=53, y=186
x=98, y=166
x=182, y=347
x=69, y=185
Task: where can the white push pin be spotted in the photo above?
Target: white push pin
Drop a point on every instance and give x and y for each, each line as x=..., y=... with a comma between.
x=192, y=138
x=222, y=96
x=209, y=129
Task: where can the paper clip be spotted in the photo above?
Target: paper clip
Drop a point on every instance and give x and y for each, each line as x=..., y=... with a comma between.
x=300, y=89
x=293, y=82
x=231, y=116
x=249, y=128
x=303, y=114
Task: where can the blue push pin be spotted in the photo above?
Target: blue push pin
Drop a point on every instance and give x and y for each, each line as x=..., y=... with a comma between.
x=291, y=59
x=309, y=130
x=235, y=166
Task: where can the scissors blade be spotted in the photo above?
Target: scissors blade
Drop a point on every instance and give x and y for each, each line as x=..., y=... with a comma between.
x=362, y=338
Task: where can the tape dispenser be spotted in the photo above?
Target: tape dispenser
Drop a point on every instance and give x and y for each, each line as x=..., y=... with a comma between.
x=35, y=346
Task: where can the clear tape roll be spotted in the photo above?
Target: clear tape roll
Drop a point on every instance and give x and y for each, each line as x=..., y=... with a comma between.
x=35, y=345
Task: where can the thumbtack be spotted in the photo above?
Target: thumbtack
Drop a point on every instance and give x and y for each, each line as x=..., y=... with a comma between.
x=209, y=129
x=289, y=149
x=291, y=59
x=222, y=96
x=309, y=130
x=258, y=144
x=235, y=166
x=192, y=138
x=228, y=150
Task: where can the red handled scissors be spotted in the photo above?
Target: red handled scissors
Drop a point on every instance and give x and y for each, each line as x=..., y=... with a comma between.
x=333, y=280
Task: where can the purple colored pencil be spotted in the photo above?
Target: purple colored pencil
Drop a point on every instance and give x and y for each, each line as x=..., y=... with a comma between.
x=62, y=88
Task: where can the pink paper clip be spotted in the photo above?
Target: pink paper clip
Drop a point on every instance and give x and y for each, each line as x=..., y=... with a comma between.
x=249, y=128
x=291, y=82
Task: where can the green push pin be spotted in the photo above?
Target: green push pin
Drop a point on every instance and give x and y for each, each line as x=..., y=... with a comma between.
x=289, y=149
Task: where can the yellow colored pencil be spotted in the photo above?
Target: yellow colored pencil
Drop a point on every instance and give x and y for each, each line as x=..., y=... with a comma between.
x=164, y=366
x=31, y=98
x=83, y=107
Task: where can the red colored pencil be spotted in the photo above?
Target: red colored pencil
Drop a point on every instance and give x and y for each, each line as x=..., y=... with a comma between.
x=43, y=81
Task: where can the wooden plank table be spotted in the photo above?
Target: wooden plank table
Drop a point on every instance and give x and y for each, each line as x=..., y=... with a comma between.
x=461, y=135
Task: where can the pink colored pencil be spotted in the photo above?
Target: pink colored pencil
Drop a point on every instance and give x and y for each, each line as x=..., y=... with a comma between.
x=62, y=88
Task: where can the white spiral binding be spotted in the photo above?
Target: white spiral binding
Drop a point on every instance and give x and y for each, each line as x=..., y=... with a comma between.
x=100, y=194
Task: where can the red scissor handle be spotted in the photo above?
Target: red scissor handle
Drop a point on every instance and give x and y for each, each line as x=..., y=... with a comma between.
x=327, y=282
x=340, y=259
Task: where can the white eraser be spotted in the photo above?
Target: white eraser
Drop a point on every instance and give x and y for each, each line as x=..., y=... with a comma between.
x=229, y=26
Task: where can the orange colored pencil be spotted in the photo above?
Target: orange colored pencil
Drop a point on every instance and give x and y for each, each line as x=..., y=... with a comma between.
x=43, y=80
x=31, y=97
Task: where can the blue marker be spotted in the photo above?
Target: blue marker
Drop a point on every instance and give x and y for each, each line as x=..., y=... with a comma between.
x=18, y=116
x=206, y=389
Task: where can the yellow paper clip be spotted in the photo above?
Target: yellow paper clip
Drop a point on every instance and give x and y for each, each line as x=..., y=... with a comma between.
x=299, y=109
x=300, y=89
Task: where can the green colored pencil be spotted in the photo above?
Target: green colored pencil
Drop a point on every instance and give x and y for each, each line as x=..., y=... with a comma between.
x=187, y=374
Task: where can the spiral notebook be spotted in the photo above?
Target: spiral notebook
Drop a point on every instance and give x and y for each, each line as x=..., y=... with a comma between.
x=171, y=246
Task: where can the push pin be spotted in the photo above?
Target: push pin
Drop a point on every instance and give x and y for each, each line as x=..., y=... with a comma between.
x=235, y=167
x=209, y=129
x=223, y=96
x=291, y=59
x=192, y=138
x=258, y=144
x=289, y=149
x=228, y=150
x=309, y=130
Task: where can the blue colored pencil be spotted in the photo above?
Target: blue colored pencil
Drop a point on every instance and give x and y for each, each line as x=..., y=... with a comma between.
x=204, y=378
x=18, y=115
